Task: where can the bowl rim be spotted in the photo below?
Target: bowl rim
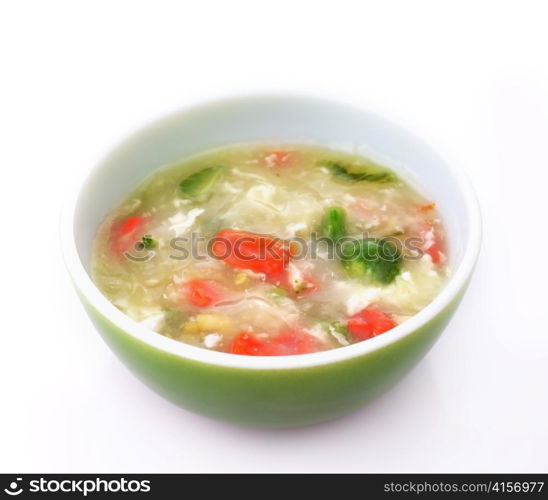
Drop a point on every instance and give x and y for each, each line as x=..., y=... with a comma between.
x=90, y=293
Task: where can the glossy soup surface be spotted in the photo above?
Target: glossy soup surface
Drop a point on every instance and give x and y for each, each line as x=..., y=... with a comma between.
x=263, y=250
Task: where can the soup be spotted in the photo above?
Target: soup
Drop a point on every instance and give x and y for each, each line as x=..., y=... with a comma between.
x=265, y=251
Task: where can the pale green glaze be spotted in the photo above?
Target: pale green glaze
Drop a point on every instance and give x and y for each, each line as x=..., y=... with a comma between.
x=275, y=397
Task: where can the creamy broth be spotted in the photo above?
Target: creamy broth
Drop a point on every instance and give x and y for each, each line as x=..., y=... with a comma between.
x=271, y=250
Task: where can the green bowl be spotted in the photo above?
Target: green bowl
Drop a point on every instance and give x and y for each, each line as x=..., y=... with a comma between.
x=286, y=390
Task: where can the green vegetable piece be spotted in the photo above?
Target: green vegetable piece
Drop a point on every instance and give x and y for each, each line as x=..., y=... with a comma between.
x=334, y=223
x=358, y=173
x=336, y=329
x=378, y=259
x=147, y=242
x=173, y=319
x=300, y=286
x=198, y=185
x=279, y=292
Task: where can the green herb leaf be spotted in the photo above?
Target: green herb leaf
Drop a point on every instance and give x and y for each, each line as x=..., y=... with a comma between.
x=147, y=242
x=352, y=173
x=377, y=259
x=336, y=329
x=199, y=184
x=300, y=286
x=334, y=223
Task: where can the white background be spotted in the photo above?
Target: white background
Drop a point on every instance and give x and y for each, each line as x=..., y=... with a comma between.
x=470, y=78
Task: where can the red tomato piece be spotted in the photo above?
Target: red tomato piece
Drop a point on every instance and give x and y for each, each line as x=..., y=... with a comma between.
x=124, y=234
x=260, y=254
x=248, y=344
x=279, y=158
x=204, y=293
x=427, y=207
x=287, y=343
x=432, y=243
x=294, y=342
x=369, y=323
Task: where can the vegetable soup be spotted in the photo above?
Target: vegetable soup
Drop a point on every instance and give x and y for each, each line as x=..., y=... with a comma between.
x=265, y=251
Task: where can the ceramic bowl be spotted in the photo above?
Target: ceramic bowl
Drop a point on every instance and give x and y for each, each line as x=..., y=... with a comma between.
x=286, y=390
